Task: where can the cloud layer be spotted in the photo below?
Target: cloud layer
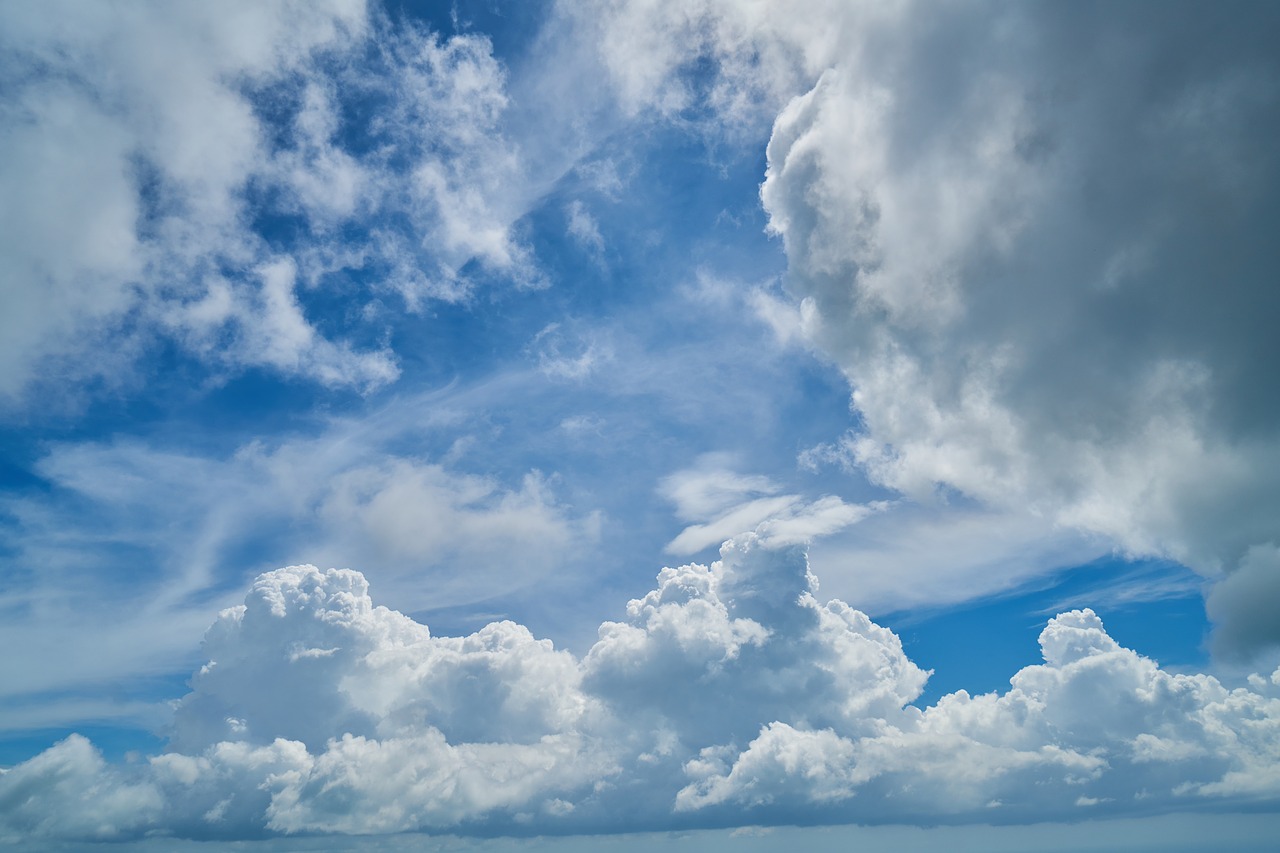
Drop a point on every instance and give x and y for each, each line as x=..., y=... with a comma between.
x=729, y=694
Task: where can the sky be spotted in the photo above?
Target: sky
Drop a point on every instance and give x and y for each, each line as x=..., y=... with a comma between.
x=619, y=424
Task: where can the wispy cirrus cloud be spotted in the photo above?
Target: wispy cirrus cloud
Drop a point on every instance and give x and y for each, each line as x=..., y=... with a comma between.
x=723, y=504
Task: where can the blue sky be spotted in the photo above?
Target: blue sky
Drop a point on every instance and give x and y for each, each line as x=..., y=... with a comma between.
x=930, y=349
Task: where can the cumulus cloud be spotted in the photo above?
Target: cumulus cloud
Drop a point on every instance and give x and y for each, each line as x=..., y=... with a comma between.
x=430, y=532
x=1095, y=725
x=69, y=791
x=383, y=727
x=728, y=694
x=1038, y=244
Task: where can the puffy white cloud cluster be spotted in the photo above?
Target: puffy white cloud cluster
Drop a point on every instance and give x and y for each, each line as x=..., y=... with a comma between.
x=337, y=663
x=1037, y=240
x=712, y=654
x=157, y=158
x=729, y=694
x=371, y=724
x=129, y=144
x=1096, y=725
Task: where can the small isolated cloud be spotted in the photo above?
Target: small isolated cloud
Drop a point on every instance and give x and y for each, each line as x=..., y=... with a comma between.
x=783, y=318
x=583, y=425
x=602, y=176
x=563, y=354
x=708, y=288
x=723, y=504
x=729, y=693
x=584, y=229
x=266, y=325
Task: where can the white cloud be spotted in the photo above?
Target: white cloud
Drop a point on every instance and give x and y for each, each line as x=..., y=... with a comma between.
x=327, y=183
x=928, y=555
x=138, y=160
x=1043, y=261
x=563, y=354
x=420, y=514
x=126, y=176
x=729, y=693
x=714, y=653
x=177, y=525
x=723, y=504
x=711, y=488
x=583, y=228
x=68, y=791
x=340, y=665
x=1096, y=723
x=467, y=183
x=786, y=321
x=268, y=327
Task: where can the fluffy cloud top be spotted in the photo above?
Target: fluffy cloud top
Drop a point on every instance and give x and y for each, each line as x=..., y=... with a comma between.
x=729, y=694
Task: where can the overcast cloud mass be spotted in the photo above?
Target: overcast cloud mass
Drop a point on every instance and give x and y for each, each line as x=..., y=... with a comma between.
x=967, y=311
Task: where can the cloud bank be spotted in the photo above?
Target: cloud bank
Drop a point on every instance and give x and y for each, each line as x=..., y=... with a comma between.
x=729, y=694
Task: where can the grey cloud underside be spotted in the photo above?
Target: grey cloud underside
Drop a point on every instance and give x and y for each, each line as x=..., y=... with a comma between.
x=729, y=694
x=1039, y=240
